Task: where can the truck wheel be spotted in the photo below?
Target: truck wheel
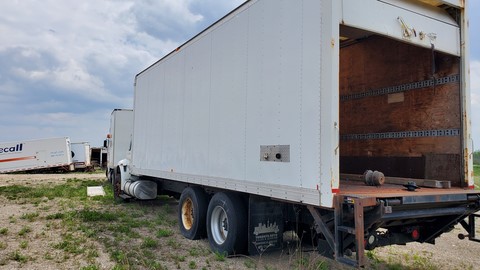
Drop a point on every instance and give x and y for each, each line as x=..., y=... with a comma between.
x=192, y=211
x=116, y=182
x=227, y=224
x=110, y=175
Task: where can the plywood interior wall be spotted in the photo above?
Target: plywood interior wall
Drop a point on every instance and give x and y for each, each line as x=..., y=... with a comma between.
x=377, y=62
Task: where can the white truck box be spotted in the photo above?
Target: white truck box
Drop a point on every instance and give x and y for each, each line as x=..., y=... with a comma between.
x=81, y=155
x=263, y=79
x=271, y=115
x=35, y=154
x=119, y=138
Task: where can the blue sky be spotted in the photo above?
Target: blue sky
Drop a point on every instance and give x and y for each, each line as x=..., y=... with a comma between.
x=65, y=65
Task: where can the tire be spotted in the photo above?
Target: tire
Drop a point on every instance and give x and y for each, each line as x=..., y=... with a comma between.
x=192, y=212
x=116, y=184
x=227, y=224
x=110, y=175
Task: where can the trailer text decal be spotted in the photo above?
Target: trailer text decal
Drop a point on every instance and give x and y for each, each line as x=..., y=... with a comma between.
x=17, y=148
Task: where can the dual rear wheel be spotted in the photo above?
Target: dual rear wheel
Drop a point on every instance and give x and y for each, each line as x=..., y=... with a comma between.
x=223, y=219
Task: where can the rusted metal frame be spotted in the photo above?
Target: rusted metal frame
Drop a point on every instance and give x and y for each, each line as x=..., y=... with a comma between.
x=359, y=231
x=339, y=256
x=322, y=227
x=471, y=222
x=470, y=227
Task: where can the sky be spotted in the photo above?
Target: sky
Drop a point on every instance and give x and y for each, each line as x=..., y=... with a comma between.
x=65, y=65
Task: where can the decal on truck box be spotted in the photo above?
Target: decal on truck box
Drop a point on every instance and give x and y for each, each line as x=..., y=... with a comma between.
x=12, y=149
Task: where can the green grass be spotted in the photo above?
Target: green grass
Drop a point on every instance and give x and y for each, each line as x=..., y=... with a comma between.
x=19, y=257
x=24, y=231
x=74, y=188
x=29, y=216
x=164, y=233
x=476, y=173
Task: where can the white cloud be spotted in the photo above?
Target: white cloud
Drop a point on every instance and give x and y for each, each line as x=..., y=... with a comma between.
x=64, y=65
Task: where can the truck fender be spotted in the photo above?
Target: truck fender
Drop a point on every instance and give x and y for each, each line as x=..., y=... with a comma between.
x=123, y=166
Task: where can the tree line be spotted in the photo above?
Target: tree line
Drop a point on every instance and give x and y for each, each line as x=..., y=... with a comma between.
x=476, y=157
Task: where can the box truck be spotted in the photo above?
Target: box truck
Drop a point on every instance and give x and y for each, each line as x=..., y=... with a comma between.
x=347, y=121
x=36, y=155
x=81, y=157
x=118, y=139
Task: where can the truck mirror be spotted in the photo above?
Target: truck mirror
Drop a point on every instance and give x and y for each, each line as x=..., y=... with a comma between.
x=105, y=143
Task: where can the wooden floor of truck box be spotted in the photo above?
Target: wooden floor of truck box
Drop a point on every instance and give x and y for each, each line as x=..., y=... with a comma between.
x=359, y=189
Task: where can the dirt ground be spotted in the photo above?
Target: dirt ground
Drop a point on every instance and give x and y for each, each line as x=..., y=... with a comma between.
x=37, y=248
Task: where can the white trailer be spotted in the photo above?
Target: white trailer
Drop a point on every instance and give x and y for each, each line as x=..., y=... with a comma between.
x=41, y=154
x=118, y=139
x=265, y=121
x=81, y=156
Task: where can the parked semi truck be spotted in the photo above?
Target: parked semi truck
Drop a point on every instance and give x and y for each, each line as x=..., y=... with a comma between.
x=347, y=121
x=36, y=155
x=118, y=139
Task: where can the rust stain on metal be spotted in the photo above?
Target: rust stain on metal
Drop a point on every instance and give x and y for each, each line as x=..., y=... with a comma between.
x=332, y=43
x=466, y=161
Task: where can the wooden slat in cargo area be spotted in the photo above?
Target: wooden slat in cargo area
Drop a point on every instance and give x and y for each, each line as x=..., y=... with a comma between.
x=401, y=181
x=357, y=188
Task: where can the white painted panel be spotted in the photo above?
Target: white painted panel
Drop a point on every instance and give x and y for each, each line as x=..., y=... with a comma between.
x=196, y=135
x=172, y=115
x=253, y=79
x=273, y=90
x=227, y=99
x=329, y=102
x=382, y=17
x=121, y=127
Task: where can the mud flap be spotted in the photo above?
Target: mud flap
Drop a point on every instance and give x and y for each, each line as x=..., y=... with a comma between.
x=265, y=225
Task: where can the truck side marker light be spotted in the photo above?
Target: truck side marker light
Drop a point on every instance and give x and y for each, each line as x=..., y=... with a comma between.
x=415, y=234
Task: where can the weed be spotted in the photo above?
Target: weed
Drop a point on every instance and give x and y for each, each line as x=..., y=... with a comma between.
x=3, y=245
x=155, y=265
x=194, y=252
x=70, y=244
x=29, y=216
x=92, y=253
x=119, y=256
x=19, y=257
x=178, y=258
x=149, y=243
x=56, y=216
x=24, y=231
x=48, y=256
x=164, y=233
x=220, y=256
x=192, y=265
x=173, y=243
x=250, y=264
x=3, y=231
x=23, y=244
x=89, y=232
